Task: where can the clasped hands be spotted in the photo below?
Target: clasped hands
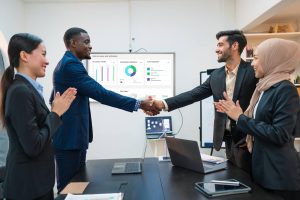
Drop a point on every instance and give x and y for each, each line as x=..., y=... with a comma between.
x=61, y=103
x=227, y=106
x=233, y=110
x=152, y=107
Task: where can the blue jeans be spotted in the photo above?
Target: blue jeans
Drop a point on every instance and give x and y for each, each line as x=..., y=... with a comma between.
x=68, y=163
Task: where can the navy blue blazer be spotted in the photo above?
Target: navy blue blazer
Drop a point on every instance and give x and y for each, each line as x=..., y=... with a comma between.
x=275, y=162
x=76, y=131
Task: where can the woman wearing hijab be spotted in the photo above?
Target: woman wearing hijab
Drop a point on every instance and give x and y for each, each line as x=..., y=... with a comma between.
x=271, y=118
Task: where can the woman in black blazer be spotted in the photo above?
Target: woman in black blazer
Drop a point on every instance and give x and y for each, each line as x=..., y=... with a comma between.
x=29, y=123
x=272, y=118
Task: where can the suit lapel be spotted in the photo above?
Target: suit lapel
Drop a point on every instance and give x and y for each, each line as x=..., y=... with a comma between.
x=239, y=80
x=222, y=81
x=41, y=100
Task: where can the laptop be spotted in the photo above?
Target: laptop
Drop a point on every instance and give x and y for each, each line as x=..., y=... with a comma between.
x=158, y=127
x=186, y=154
x=127, y=168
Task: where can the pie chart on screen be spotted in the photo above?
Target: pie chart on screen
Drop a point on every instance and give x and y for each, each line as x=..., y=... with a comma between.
x=130, y=70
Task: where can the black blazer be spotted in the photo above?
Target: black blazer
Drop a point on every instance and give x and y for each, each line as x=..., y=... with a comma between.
x=215, y=85
x=275, y=162
x=30, y=166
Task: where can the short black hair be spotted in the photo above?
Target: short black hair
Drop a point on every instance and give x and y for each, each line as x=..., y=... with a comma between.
x=234, y=36
x=70, y=33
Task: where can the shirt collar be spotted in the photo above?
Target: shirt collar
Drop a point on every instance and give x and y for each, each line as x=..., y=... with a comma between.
x=34, y=83
x=234, y=71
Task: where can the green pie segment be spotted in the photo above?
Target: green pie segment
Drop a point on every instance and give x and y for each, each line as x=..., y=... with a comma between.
x=130, y=70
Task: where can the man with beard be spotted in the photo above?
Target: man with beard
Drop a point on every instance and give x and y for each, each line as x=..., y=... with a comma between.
x=238, y=80
x=72, y=138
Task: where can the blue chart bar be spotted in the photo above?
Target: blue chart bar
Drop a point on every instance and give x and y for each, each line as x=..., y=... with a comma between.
x=96, y=75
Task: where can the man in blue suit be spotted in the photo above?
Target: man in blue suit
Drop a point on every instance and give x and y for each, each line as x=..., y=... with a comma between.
x=72, y=138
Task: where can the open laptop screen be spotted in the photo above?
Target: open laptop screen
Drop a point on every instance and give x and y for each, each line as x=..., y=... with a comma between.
x=158, y=125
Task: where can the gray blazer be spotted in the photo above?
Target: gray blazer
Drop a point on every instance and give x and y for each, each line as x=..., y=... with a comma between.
x=275, y=162
x=215, y=85
x=3, y=146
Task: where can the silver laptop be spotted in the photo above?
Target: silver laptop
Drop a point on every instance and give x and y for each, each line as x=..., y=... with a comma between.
x=127, y=168
x=186, y=154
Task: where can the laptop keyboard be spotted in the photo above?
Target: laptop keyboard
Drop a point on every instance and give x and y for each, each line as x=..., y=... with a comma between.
x=156, y=136
x=207, y=168
x=132, y=167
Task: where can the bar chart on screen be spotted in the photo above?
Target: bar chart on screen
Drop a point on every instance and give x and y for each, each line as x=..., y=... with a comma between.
x=138, y=75
x=103, y=72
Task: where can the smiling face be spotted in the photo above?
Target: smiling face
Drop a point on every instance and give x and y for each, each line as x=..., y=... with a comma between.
x=223, y=49
x=81, y=46
x=256, y=64
x=35, y=61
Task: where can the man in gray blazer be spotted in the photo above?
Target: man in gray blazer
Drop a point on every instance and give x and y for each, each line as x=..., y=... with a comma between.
x=3, y=147
x=238, y=80
x=3, y=154
x=3, y=137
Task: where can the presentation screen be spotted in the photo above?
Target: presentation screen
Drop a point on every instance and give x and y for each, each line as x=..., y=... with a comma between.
x=137, y=75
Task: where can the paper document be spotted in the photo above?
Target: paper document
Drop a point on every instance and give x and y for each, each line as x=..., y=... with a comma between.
x=212, y=159
x=108, y=196
x=75, y=188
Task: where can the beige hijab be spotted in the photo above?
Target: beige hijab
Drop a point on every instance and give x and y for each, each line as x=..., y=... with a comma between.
x=279, y=59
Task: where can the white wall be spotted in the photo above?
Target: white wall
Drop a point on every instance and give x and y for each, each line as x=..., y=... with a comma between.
x=11, y=21
x=11, y=17
x=185, y=27
x=248, y=11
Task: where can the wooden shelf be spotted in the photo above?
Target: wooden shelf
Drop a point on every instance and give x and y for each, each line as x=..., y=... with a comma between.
x=272, y=35
x=255, y=39
x=298, y=88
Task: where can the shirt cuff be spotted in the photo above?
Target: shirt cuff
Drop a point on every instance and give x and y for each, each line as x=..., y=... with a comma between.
x=166, y=105
x=239, y=120
x=137, y=105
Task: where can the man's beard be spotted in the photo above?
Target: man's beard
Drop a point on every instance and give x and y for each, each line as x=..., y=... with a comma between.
x=87, y=57
x=224, y=57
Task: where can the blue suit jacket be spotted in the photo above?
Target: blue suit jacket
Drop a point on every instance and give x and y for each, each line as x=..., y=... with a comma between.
x=76, y=131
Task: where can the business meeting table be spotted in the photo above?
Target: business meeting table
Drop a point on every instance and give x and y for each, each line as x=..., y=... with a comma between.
x=161, y=180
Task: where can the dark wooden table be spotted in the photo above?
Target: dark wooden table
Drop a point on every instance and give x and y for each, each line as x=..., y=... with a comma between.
x=161, y=180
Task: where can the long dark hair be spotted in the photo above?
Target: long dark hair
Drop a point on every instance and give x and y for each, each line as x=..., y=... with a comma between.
x=17, y=43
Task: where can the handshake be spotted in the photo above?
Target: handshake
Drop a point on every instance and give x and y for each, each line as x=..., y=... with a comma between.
x=152, y=107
